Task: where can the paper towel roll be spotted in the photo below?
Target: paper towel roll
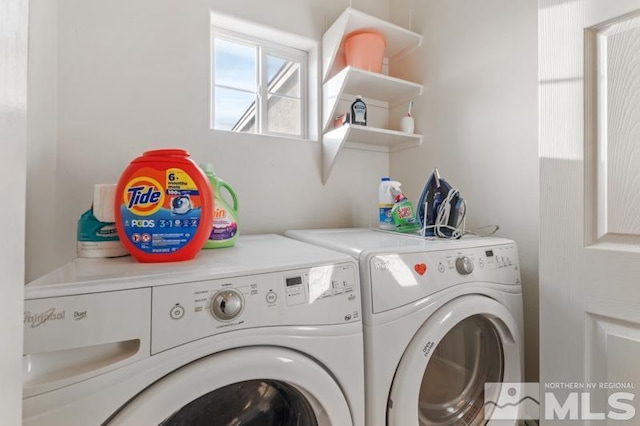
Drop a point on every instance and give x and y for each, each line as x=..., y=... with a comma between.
x=104, y=197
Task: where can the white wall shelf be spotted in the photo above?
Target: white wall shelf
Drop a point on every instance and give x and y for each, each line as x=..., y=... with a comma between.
x=399, y=40
x=356, y=81
x=339, y=79
x=364, y=138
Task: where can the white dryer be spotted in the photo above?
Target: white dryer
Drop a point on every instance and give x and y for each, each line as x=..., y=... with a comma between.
x=268, y=332
x=441, y=319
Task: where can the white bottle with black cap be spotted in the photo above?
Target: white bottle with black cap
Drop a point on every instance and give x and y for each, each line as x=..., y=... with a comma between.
x=359, y=112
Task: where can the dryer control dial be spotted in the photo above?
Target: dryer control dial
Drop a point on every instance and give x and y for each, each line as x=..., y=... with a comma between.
x=464, y=265
x=226, y=304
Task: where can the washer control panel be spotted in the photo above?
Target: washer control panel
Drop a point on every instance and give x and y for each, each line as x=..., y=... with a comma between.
x=295, y=290
x=319, y=295
x=226, y=305
x=399, y=279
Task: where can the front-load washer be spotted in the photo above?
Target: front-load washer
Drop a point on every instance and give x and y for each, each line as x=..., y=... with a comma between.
x=268, y=332
x=441, y=319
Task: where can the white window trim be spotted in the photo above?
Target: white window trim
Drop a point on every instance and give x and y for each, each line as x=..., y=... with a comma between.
x=278, y=43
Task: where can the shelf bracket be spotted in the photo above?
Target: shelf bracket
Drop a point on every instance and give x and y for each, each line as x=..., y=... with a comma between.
x=331, y=145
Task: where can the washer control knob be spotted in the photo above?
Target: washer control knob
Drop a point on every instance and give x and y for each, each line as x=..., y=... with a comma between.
x=226, y=305
x=464, y=265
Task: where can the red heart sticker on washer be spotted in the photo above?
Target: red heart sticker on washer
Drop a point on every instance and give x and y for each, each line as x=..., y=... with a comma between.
x=420, y=268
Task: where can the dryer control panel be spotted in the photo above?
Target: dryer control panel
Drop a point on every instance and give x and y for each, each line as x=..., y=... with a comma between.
x=313, y=296
x=401, y=278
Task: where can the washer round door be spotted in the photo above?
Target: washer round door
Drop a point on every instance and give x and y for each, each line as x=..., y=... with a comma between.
x=255, y=386
x=441, y=377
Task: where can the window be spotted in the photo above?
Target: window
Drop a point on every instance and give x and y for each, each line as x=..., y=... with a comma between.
x=258, y=86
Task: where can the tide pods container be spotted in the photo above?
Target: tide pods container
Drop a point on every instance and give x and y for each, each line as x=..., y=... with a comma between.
x=164, y=207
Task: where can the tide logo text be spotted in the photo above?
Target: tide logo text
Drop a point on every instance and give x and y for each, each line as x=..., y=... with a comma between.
x=143, y=223
x=143, y=195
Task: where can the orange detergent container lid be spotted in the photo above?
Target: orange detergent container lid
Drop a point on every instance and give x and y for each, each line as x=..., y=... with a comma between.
x=164, y=207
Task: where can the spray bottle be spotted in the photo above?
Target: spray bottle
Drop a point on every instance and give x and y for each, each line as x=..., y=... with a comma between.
x=404, y=216
x=224, y=230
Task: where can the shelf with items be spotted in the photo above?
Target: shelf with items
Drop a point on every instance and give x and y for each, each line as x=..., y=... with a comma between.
x=359, y=82
x=340, y=80
x=399, y=40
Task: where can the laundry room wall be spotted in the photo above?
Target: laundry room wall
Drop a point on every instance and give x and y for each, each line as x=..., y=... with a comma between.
x=115, y=79
x=478, y=115
x=42, y=250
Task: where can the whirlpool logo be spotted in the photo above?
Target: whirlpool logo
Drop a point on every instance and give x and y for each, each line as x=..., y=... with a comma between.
x=37, y=319
x=382, y=265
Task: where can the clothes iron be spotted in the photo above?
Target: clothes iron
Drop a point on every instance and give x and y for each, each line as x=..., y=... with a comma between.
x=441, y=208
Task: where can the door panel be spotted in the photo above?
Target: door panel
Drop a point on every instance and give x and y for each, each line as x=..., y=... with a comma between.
x=589, y=72
x=613, y=351
x=612, y=106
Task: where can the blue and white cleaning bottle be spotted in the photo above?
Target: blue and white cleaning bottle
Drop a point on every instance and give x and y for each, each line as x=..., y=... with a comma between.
x=385, y=204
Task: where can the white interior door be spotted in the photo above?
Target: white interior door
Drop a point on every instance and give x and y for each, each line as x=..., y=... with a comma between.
x=590, y=209
x=13, y=142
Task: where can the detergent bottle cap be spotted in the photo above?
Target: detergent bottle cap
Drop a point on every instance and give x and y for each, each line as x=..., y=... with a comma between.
x=208, y=169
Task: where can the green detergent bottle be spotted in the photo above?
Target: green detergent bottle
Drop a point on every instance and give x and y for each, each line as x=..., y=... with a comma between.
x=224, y=230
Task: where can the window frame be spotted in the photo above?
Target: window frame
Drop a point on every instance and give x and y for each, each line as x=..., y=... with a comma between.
x=264, y=48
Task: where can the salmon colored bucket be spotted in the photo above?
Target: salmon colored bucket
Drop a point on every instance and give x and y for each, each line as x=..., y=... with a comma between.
x=365, y=49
